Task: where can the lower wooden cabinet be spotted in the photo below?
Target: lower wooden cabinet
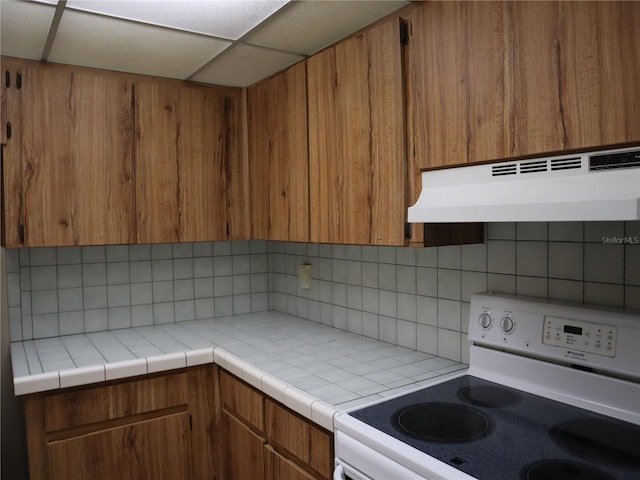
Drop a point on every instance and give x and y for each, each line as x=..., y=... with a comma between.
x=244, y=450
x=299, y=438
x=291, y=447
x=159, y=427
x=190, y=424
x=157, y=448
x=277, y=467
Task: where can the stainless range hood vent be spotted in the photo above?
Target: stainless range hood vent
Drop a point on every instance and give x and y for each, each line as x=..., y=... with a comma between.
x=578, y=187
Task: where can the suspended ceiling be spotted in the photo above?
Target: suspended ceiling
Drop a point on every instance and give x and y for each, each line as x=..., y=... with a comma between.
x=223, y=42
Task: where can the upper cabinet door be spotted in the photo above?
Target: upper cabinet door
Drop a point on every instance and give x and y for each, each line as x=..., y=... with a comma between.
x=77, y=158
x=492, y=80
x=10, y=125
x=188, y=163
x=357, y=162
x=278, y=159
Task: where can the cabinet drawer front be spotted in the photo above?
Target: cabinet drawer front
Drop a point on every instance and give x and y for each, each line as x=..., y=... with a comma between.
x=86, y=406
x=242, y=400
x=310, y=444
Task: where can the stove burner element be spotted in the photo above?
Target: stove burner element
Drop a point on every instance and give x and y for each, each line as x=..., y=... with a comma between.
x=489, y=395
x=442, y=422
x=563, y=470
x=607, y=441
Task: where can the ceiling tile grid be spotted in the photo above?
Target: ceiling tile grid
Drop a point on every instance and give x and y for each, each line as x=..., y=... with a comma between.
x=224, y=42
x=112, y=44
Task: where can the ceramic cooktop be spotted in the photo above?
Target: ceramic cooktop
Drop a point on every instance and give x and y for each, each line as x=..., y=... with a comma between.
x=490, y=431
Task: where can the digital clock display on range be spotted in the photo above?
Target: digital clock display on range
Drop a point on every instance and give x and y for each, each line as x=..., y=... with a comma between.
x=573, y=330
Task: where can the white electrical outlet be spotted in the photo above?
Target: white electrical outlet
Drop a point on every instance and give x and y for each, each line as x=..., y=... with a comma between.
x=305, y=276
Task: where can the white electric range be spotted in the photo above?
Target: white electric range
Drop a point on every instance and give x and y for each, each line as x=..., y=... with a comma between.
x=552, y=392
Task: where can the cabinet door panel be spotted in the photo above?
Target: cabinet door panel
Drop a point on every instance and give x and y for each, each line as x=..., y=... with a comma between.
x=599, y=80
x=157, y=189
x=243, y=451
x=157, y=427
x=77, y=157
x=303, y=440
x=279, y=157
x=356, y=140
x=493, y=80
x=99, y=404
x=277, y=467
x=242, y=400
x=188, y=163
x=139, y=451
x=11, y=113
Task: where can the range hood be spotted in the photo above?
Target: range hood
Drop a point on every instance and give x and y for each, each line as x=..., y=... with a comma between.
x=603, y=185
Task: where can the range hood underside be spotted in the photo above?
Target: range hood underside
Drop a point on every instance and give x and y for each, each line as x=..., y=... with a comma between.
x=600, y=210
x=597, y=186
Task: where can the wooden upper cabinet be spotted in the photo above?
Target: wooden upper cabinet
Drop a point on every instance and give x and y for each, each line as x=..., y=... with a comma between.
x=9, y=96
x=278, y=158
x=99, y=158
x=75, y=183
x=189, y=172
x=10, y=123
x=357, y=163
x=492, y=80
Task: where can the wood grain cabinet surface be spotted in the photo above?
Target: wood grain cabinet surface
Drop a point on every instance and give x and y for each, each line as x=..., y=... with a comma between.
x=10, y=142
x=277, y=467
x=299, y=438
x=68, y=168
x=278, y=156
x=189, y=171
x=357, y=168
x=496, y=80
x=160, y=427
x=243, y=452
x=262, y=439
x=99, y=158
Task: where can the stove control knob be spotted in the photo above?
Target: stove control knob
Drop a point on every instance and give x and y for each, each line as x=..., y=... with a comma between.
x=485, y=320
x=506, y=324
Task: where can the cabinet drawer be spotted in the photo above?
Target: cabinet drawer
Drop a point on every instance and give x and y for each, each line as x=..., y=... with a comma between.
x=310, y=444
x=87, y=406
x=242, y=400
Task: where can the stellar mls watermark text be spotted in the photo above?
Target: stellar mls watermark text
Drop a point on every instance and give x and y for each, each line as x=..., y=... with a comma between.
x=621, y=240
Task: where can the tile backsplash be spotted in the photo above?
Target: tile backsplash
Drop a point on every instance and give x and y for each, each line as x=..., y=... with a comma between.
x=418, y=298
x=67, y=290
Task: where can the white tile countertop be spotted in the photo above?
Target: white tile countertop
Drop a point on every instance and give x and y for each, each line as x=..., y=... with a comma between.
x=313, y=369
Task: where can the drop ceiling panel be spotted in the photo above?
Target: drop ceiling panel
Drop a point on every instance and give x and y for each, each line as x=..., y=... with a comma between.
x=24, y=27
x=244, y=65
x=309, y=26
x=183, y=38
x=113, y=44
x=229, y=19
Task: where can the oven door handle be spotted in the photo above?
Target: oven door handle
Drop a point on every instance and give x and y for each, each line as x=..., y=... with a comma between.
x=338, y=473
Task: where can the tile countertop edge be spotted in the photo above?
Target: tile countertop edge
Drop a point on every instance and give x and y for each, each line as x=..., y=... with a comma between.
x=299, y=401
x=301, y=364
x=310, y=407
